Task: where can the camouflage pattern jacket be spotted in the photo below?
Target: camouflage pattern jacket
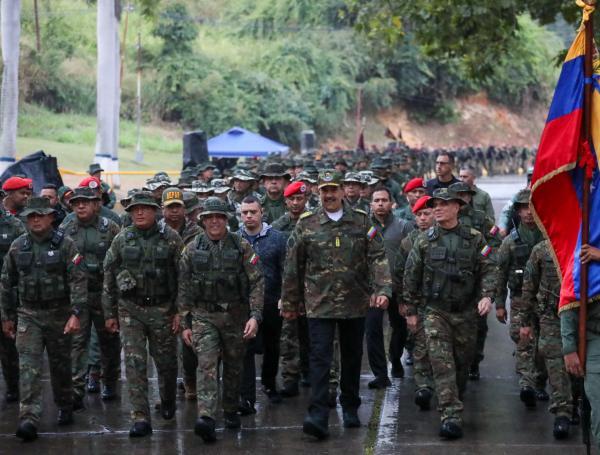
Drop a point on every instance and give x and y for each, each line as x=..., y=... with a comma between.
x=449, y=270
x=333, y=267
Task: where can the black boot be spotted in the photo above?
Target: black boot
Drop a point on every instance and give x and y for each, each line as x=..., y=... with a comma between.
x=167, y=409
x=140, y=429
x=26, y=431
x=314, y=428
x=541, y=395
x=379, y=383
x=109, y=392
x=397, y=370
x=528, y=396
x=231, y=420
x=246, y=407
x=561, y=427
x=205, y=428
x=451, y=429
x=290, y=390
x=474, y=372
x=351, y=419
x=423, y=398
x=274, y=396
x=65, y=417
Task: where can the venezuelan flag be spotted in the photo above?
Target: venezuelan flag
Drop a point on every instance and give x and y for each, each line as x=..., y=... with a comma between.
x=557, y=181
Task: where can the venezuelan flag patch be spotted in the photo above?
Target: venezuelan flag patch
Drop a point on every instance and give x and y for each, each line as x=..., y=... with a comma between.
x=371, y=233
x=253, y=259
x=485, y=252
x=77, y=259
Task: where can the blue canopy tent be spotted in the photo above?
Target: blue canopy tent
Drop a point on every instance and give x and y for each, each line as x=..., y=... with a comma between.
x=238, y=143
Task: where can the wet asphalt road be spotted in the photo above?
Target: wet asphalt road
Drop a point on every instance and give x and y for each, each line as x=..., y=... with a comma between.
x=495, y=420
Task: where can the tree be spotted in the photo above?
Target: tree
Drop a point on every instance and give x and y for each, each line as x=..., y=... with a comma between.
x=10, y=29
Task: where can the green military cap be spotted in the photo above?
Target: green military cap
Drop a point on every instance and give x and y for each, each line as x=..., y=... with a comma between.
x=523, y=196
x=84, y=192
x=305, y=177
x=204, y=166
x=198, y=186
x=95, y=168
x=243, y=175
x=378, y=164
x=214, y=205
x=142, y=198
x=62, y=191
x=329, y=177
x=444, y=194
x=191, y=201
x=162, y=176
x=172, y=196
x=220, y=186
x=155, y=184
x=353, y=177
x=127, y=199
x=275, y=170
x=37, y=205
x=461, y=187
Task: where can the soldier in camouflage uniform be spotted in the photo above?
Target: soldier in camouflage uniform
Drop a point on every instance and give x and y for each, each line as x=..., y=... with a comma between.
x=469, y=216
x=220, y=285
x=109, y=199
x=93, y=235
x=313, y=201
x=274, y=179
x=242, y=182
x=335, y=268
x=541, y=293
x=139, y=293
x=10, y=228
x=352, y=186
x=44, y=266
x=512, y=257
x=422, y=373
x=413, y=190
x=446, y=272
x=174, y=215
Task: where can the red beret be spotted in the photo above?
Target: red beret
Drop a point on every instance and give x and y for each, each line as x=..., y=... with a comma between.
x=16, y=183
x=295, y=188
x=90, y=182
x=414, y=183
x=420, y=204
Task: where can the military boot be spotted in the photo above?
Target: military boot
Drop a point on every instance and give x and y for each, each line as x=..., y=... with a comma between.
x=474, y=372
x=451, y=429
x=26, y=431
x=205, y=428
x=315, y=428
x=109, y=392
x=65, y=417
x=528, y=396
x=351, y=419
x=423, y=398
x=541, y=395
x=246, y=407
x=140, y=429
x=232, y=420
x=397, y=370
x=167, y=409
x=562, y=425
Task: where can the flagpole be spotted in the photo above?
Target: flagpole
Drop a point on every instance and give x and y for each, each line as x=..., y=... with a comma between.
x=585, y=216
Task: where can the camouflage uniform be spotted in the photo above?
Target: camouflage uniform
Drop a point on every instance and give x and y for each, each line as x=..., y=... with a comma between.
x=140, y=288
x=512, y=258
x=422, y=373
x=446, y=271
x=332, y=268
x=541, y=292
x=10, y=228
x=220, y=285
x=273, y=209
x=51, y=286
x=93, y=240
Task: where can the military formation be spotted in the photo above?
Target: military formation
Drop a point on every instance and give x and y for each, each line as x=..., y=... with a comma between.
x=301, y=260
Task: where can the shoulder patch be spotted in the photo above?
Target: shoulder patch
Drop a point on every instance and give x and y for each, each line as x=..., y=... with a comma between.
x=306, y=215
x=372, y=232
x=253, y=259
x=486, y=250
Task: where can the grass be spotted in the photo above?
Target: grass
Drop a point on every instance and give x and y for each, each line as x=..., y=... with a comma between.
x=72, y=137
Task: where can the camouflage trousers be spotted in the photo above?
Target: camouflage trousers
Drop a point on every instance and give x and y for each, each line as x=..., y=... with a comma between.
x=550, y=348
x=219, y=335
x=529, y=364
x=39, y=330
x=189, y=360
x=422, y=372
x=9, y=358
x=146, y=329
x=110, y=346
x=450, y=345
x=294, y=353
x=482, y=330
